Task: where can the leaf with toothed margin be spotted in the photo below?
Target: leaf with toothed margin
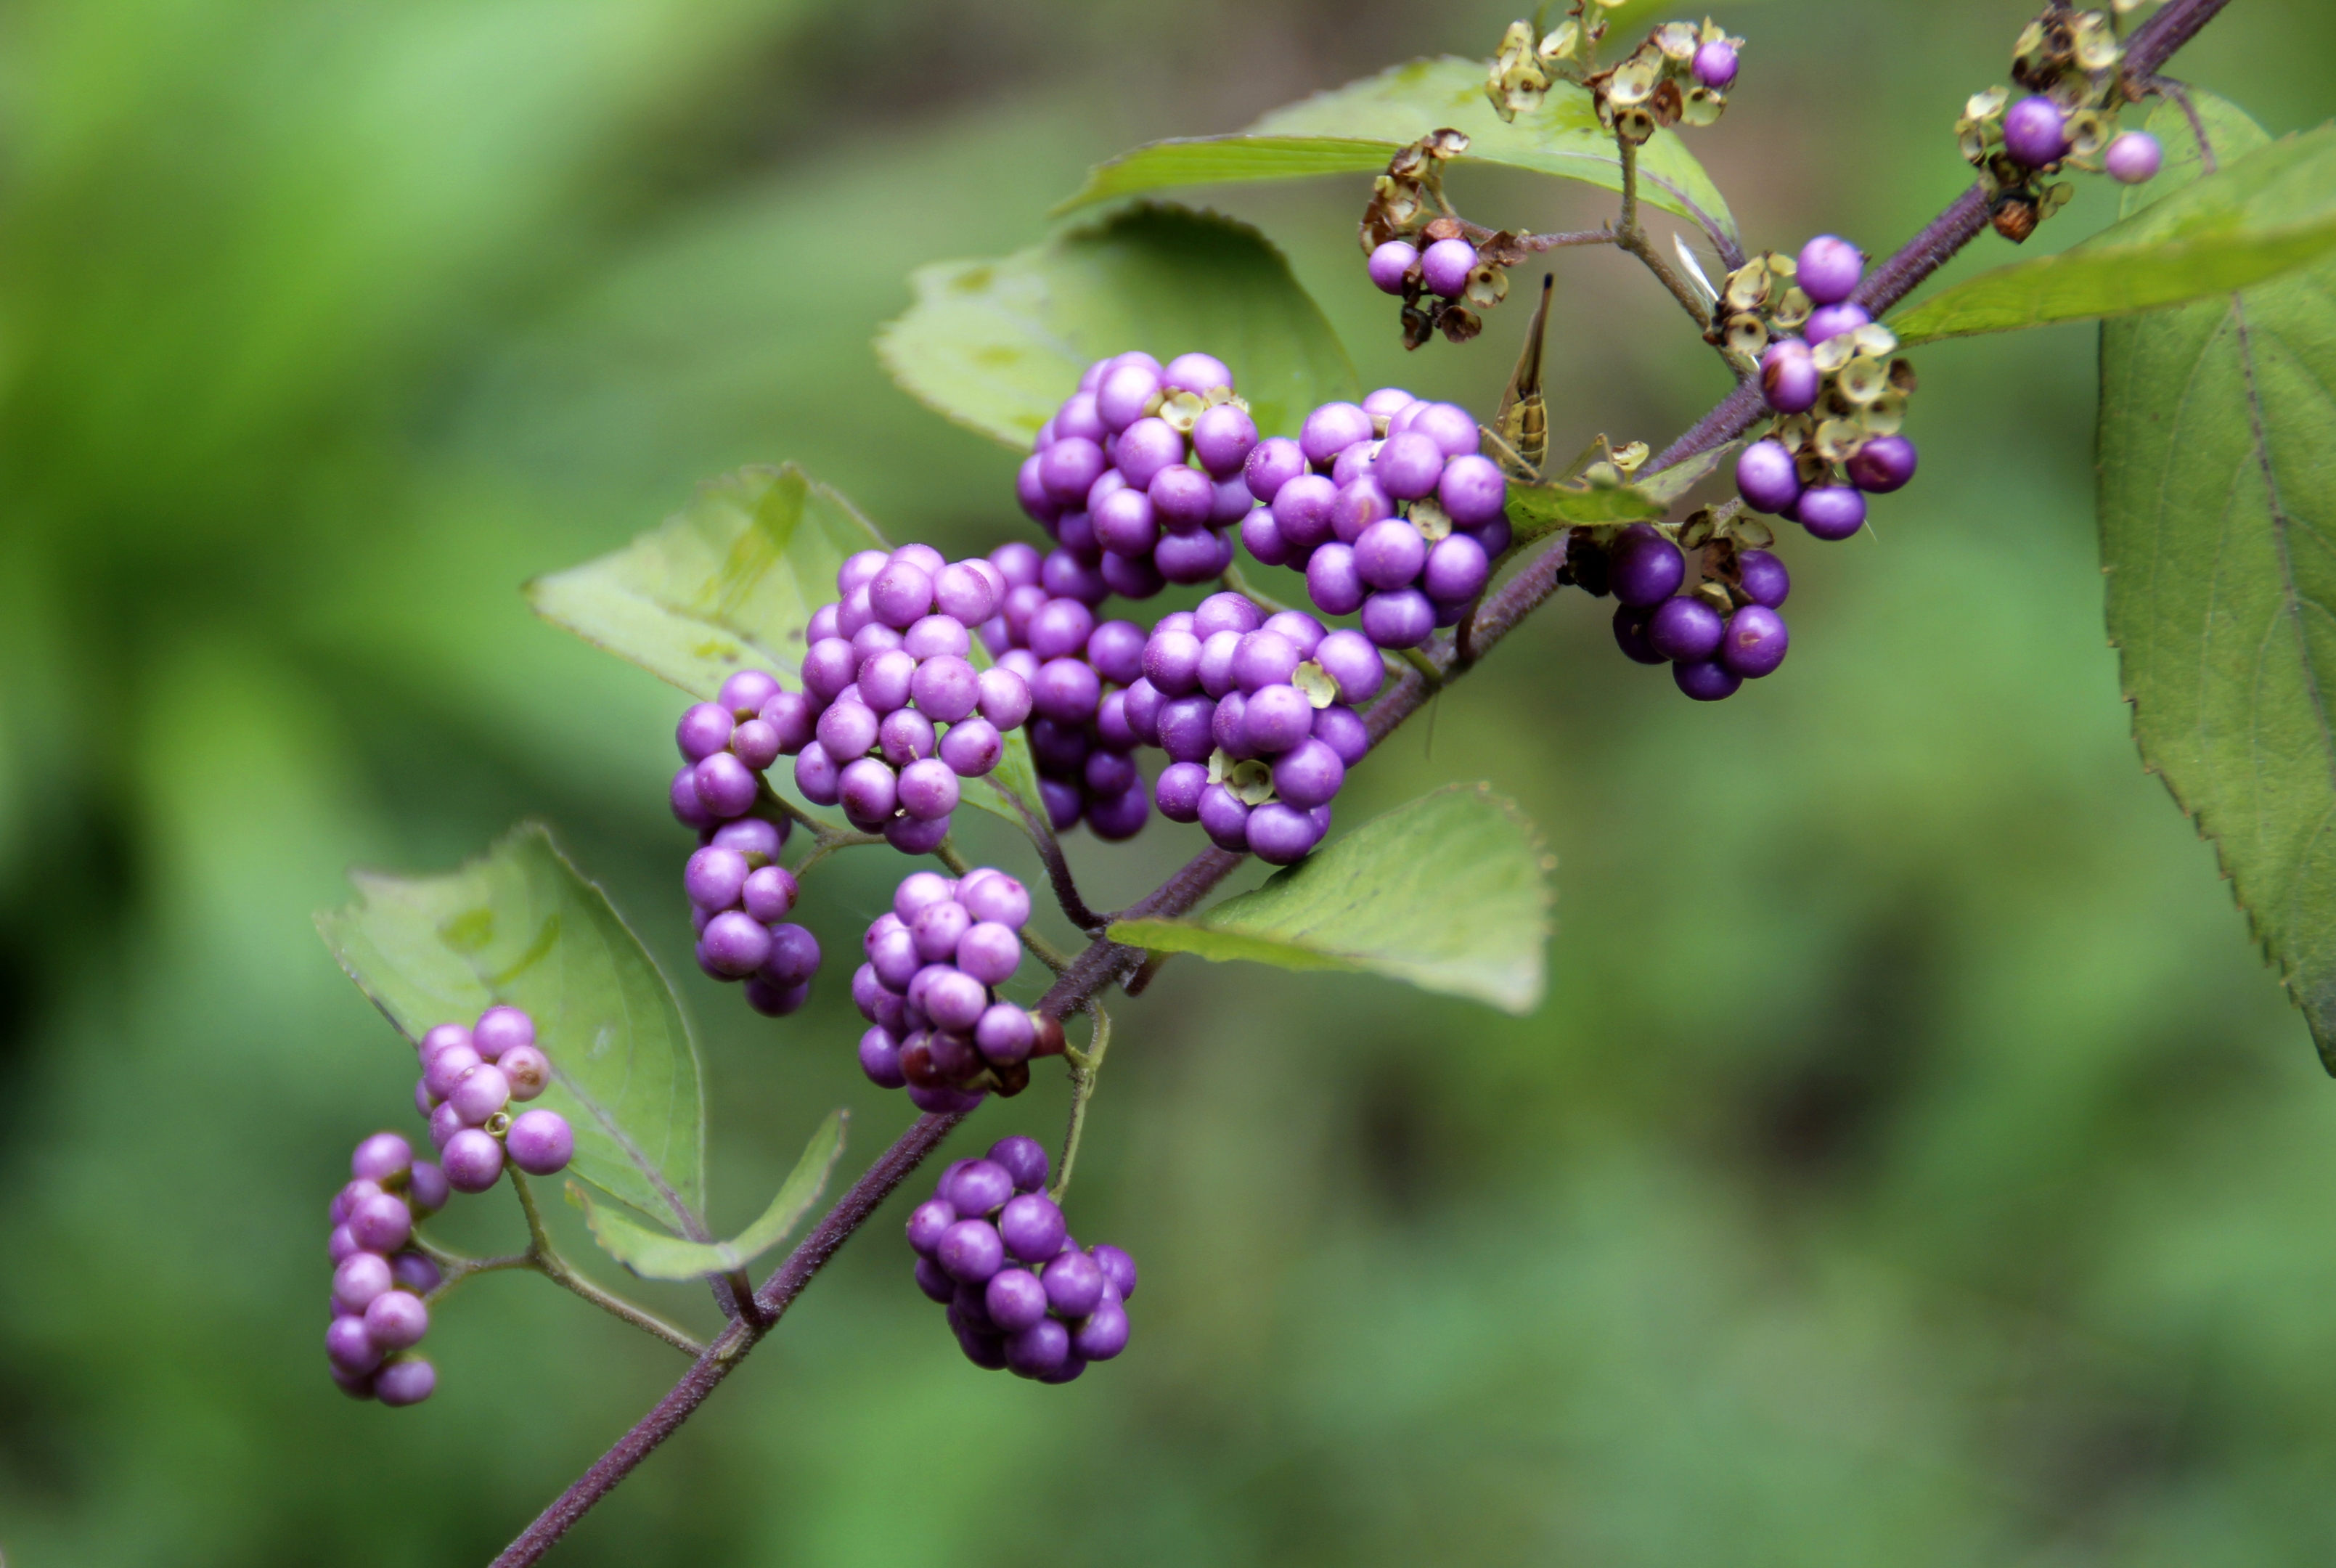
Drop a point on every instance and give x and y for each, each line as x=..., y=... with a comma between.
x=1449, y=893
x=521, y=926
x=1355, y=129
x=2218, y=537
x=998, y=345
x=728, y=583
x=655, y=1255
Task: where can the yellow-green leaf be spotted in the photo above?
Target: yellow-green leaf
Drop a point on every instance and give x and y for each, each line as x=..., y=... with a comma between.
x=654, y=1255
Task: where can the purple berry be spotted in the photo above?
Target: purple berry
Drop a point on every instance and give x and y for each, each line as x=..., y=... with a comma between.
x=541, y=1142
x=746, y=692
x=735, y=944
x=443, y=1124
x=1308, y=775
x=1353, y=663
x=905, y=736
x=1281, y=834
x=1389, y=263
x=975, y=1187
x=1472, y=490
x=1118, y=1269
x=1403, y=618
x=396, y=1320
x=2133, y=159
x=989, y=895
x=1223, y=818
x=361, y=1277
x=1883, y=464
x=1023, y=1159
x=1039, y=1348
x=1263, y=659
x=880, y=1059
x=703, y=730
x=1452, y=427
x=1445, y=265
x=1766, y=478
x=1121, y=395
x=1332, y=428
x=472, y=1160
x=1684, y=630
x=726, y=786
x=927, y=790
x=1014, y=1299
x=446, y=1069
x=1764, y=577
x=1075, y=1284
x=352, y=1349
x=973, y=748
x=715, y=877
x=1222, y=439
x=934, y=1280
x=383, y=1224
x=1177, y=791
x=445, y=1035
x=1196, y=373
x=794, y=953
x=1630, y=635
x=1103, y=1335
x=1270, y=464
x=1715, y=67
x=1830, y=268
x=341, y=1243
x=1790, y=378
x=1456, y=571
x=1341, y=729
x=927, y=1222
x=769, y=893
x=1755, y=642
x=1389, y=553
x=1031, y=1227
x=1408, y=466
x=1708, y=681
x=406, y=1382
x=501, y=1027
x=1647, y=568
x=381, y=1157
x=425, y=1188
x=2036, y=132
x=1305, y=512
x=1004, y=1034
x=1332, y=582
x=1831, y=512
x=1830, y=321
x=970, y=1251
x=1185, y=728
x=415, y=1271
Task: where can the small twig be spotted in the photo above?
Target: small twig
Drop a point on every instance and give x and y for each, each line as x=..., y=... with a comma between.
x=1633, y=239
x=1068, y=896
x=831, y=841
x=1084, y=1065
x=545, y=1259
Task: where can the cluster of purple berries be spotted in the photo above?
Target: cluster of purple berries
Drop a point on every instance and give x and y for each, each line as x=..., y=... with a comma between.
x=739, y=900
x=1256, y=714
x=893, y=712
x=2035, y=134
x=1717, y=637
x=380, y=1281
x=470, y=1079
x=1137, y=476
x=1389, y=508
x=1444, y=269
x=1022, y=1296
x=1078, y=669
x=928, y=992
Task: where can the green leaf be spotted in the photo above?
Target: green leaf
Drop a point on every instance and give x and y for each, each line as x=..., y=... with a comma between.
x=653, y=1255
x=998, y=345
x=729, y=582
x=1356, y=128
x=1666, y=485
x=1450, y=893
x=521, y=925
x=2218, y=488
x=2260, y=215
x=726, y=583
x=1565, y=504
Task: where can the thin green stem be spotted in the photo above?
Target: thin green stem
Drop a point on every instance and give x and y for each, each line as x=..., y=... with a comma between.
x=1633, y=239
x=545, y=1259
x=1235, y=582
x=1427, y=666
x=1044, y=951
x=1084, y=1065
x=829, y=841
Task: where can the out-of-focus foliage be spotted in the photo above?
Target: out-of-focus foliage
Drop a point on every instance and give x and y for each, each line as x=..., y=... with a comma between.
x=1912, y=1162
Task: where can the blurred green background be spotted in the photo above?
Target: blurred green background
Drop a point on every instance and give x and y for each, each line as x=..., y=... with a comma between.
x=1912, y=1164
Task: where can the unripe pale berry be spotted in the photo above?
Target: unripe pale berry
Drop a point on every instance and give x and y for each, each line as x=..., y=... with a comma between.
x=541, y=1142
x=1390, y=262
x=501, y=1027
x=1829, y=269
x=472, y=1160
x=405, y=1382
x=1445, y=265
x=2133, y=159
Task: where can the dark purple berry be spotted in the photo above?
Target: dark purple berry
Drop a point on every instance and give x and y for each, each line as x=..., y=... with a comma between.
x=1032, y=1227
x=1647, y=568
x=934, y=1280
x=405, y=1382
x=977, y=1187
x=927, y=1222
x=1755, y=642
x=1038, y=1349
x=1831, y=512
x=2036, y=132
x=1023, y=1159
x=1281, y=834
x=1883, y=464
x=1708, y=681
x=1764, y=577
x=1684, y=630
x=1309, y=775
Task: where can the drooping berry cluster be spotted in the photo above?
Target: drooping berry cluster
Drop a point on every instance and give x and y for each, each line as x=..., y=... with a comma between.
x=1256, y=715
x=1389, y=508
x=1077, y=670
x=928, y=992
x=893, y=712
x=739, y=900
x=1022, y=1296
x=380, y=1281
x=1720, y=633
x=2067, y=60
x=1137, y=476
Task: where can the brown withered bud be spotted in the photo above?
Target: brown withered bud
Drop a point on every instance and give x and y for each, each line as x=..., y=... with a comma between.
x=1441, y=229
x=1011, y=1080
x=1458, y=322
x=1418, y=326
x=1049, y=1042
x=1586, y=567
x=917, y=1067
x=1445, y=144
x=1666, y=103
x=1502, y=250
x=2014, y=216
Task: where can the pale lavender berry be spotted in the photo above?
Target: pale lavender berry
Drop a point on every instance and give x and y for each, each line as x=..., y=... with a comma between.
x=1281, y=834
x=1308, y=775
x=1445, y=265
x=1332, y=428
x=1708, y=680
x=1472, y=490
x=715, y=877
x=859, y=569
x=1408, y=466
x=1389, y=554
x=383, y=1224
x=1647, y=568
x=446, y=1067
x=501, y=1027
x=439, y=1036
x=1121, y=395
x=703, y=730
x=1715, y=67
x=380, y=1157
x=541, y=1142
x=990, y=895
x=755, y=744
x=1883, y=464
x=361, y=1277
x=816, y=774
x=1332, y=582
x=483, y=1091
x=682, y=796
x=955, y=1000
x=989, y=952
x=396, y=1320
x=1005, y=697
x=443, y=1124
x=1831, y=512
x=1023, y=1159
x=972, y=747
x=1456, y=571
x=971, y=1250
x=1222, y=439
x=794, y=955
x=528, y=1070
x=937, y=928
x=2035, y=132
x=425, y=1188
x=1390, y=262
x=351, y=1348
x=2133, y=159
x=341, y=1243
x=1032, y=1228
x=1181, y=499
x=406, y=1382
x=1270, y=464
x=425, y=1102
x=1450, y=426
x=1276, y=718
x=1684, y=630
x=726, y=786
x=1830, y=268
x=1766, y=478
x=415, y=1272
x=746, y=692
x=1198, y=372
x=1004, y=1034
x=1789, y=378
x=1755, y=642
x=735, y=943
x=472, y=1160
x=1831, y=321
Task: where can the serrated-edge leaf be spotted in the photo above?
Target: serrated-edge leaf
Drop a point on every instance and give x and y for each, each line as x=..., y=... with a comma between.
x=2224, y=231
x=655, y=1255
x=1008, y=382
x=1356, y=128
x=1448, y=936
x=1557, y=502
x=443, y=983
